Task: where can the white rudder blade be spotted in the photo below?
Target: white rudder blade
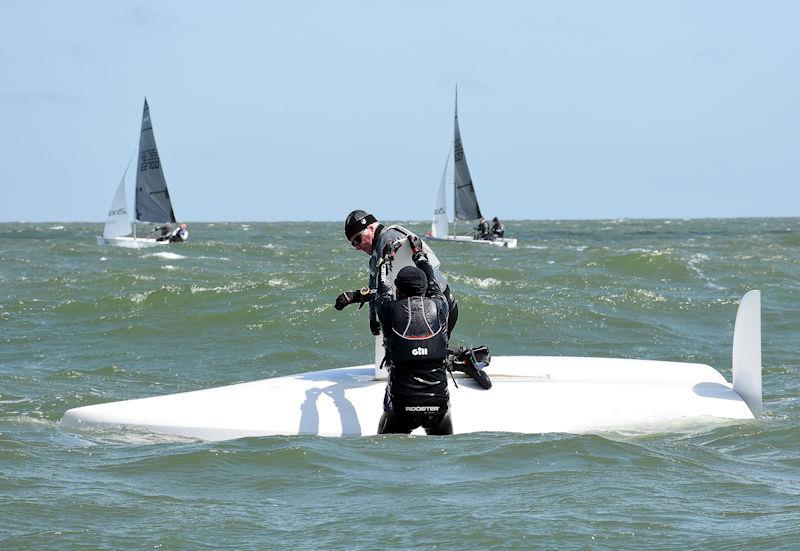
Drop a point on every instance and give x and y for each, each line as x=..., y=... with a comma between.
x=747, y=351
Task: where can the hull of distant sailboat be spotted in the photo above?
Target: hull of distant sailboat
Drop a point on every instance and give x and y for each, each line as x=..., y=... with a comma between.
x=129, y=242
x=499, y=242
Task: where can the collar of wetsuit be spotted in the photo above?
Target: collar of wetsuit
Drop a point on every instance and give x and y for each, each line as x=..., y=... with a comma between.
x=378, y=229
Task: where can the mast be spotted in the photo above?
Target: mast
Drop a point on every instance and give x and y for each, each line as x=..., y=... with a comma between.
x=455, y=218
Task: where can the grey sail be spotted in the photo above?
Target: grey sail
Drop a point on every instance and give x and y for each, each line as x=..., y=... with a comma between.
x=466, y=203
x=152, y=196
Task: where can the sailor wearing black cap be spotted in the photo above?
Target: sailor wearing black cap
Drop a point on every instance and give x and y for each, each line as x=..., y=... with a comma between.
x=413, y=317
x=365, y=233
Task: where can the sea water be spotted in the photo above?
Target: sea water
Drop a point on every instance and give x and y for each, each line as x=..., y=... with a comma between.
x=83, y=324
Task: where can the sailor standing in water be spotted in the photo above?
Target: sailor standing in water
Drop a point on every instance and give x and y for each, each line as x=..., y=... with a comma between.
x=413, y=317
x=366, y=234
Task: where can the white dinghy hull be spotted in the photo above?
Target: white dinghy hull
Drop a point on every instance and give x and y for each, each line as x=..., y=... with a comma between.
x=499, y=242
x=530, y=394
x=130, y=242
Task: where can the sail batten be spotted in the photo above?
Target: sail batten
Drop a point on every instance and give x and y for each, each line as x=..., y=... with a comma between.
x=153, y=203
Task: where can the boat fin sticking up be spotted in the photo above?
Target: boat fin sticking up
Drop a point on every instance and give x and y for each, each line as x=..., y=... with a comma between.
x=747, y=351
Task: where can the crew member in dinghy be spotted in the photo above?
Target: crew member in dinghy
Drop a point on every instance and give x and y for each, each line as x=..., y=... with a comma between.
x=497, y=229
x=180, y=234
x=482, y=229
x=365, y=233
x=413, y=317
x=165, y=231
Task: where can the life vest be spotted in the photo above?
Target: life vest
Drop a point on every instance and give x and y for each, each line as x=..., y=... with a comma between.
x=419, y=330
x=179, y=235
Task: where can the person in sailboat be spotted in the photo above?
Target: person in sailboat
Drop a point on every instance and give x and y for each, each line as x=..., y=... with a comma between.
x=366, y=234
x=497, y=229
x=413, y=315
x=165, y=230
x=482, y=229
x=179, y=235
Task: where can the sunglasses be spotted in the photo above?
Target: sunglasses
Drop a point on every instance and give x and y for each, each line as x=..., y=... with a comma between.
x=356, y=241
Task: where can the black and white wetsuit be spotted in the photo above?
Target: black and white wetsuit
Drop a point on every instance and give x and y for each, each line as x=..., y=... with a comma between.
x=415, y=338
x=179, y=235
x=388, y=234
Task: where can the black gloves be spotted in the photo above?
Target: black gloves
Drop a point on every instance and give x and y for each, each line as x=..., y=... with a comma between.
x=418, y=253
x=389, y=251
x=343, y=300
x=359, y=296
x=375, y=326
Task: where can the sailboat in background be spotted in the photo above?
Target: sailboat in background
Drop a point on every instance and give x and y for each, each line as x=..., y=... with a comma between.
x=465, y=202
x=153, y=203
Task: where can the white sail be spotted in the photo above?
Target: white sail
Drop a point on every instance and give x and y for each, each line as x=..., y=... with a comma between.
x=118, y=222
x=440, y=226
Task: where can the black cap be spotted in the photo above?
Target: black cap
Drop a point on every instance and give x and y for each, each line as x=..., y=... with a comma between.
x=355, y=222
x=411, y=281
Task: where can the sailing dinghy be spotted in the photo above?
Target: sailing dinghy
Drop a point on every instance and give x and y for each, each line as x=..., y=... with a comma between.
x=153, y=203
x=465, y=202
x=530, y=394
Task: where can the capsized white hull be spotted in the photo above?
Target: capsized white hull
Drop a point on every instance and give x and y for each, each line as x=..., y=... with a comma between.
x=499, y=242
x=530, y=394
x=130, y=242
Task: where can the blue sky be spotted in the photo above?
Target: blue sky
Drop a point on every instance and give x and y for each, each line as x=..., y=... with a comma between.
x=297, y=110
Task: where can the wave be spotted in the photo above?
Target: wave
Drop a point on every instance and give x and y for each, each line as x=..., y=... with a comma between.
x=165, y=255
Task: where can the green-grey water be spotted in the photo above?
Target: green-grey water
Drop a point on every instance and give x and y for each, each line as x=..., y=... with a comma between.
x=82, y=324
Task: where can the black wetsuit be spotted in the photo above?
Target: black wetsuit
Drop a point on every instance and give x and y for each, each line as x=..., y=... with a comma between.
x=497, y=229
x=165, y=233
x=384, y=235
x=415, y=337
x=482, y=230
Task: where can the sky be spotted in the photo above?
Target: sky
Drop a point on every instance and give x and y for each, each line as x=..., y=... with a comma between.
x=306, y=110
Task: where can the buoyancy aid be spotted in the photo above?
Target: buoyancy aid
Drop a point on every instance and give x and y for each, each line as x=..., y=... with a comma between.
x=418, y=330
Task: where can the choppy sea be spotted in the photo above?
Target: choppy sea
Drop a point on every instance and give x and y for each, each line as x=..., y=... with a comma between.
x=82, y=324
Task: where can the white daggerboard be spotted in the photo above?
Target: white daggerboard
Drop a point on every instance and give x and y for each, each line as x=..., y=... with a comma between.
x=402, y=259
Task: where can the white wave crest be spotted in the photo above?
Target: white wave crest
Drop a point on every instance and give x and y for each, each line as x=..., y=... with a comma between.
x=165, y=255
x=482, y=283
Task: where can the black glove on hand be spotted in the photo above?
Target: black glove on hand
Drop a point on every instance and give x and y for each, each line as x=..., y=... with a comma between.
x=390, y=250
x=375, y=326
x=343, y=300
x=359, y=296
x=416, y=243
x=418, y=253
